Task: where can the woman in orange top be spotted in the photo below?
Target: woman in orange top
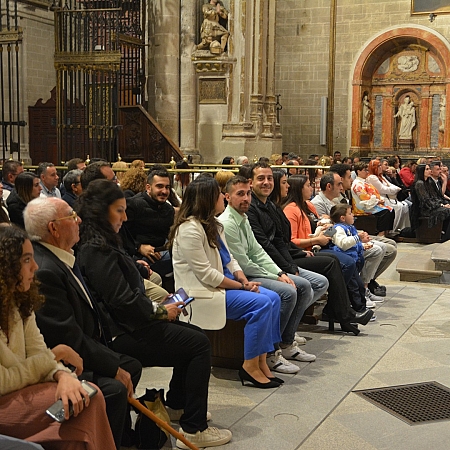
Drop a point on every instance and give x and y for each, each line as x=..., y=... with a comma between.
x=302, y=214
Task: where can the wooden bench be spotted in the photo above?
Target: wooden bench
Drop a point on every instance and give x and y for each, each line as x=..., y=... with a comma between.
x=425, y=235
x=367, y=223
x=227, y=345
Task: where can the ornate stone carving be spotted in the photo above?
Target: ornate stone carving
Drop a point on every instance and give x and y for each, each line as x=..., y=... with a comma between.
x=366, y=113
x=11, y=36
x=212, y=90
x=407, y=114
x=408, y=63
x=214, y=34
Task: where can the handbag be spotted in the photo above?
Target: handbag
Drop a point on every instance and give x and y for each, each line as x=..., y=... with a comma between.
x=148, y=434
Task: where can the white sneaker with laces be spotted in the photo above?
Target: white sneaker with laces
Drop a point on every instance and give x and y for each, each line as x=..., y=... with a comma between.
x=299, y=339
x=370, y=304
x=277, y=363
x=293, y=352
x=373, y=297
x=211, y=437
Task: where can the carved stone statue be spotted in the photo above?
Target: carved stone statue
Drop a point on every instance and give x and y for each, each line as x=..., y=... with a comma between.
x=214, y=35
x=407, y=114
x=442, y=110
x=366, y=113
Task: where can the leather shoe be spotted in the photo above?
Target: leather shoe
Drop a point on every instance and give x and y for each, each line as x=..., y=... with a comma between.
x=362, y=317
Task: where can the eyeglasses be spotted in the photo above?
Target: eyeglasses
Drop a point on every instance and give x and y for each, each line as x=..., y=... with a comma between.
x=73, y=215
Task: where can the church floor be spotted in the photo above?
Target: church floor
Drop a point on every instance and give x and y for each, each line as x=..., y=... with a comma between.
x=316, y=408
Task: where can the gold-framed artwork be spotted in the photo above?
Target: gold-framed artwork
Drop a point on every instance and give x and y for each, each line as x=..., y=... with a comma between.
x=430, y=6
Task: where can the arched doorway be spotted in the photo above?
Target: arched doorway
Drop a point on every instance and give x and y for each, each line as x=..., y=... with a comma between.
x=400, y=92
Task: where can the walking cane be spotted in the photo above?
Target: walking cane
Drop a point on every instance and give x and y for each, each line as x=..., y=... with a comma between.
x=160, y=422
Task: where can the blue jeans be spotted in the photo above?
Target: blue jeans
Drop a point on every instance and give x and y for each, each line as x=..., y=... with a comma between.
x=262, y=315
x=348, y=265
x=294, y=302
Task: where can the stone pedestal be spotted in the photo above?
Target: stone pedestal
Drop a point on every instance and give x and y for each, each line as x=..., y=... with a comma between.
x=405, y=145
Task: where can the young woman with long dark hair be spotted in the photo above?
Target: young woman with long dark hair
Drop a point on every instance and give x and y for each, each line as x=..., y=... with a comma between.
x=427, y=203
x=31, y=377
x=27, y=186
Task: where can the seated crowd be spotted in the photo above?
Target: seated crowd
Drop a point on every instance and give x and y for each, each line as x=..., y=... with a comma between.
x=88, y=263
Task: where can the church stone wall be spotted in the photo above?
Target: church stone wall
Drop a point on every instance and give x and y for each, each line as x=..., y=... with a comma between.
x=302, y=43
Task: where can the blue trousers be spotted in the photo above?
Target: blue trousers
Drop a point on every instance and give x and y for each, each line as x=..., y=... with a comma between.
x=262, y=315
x=295, y=301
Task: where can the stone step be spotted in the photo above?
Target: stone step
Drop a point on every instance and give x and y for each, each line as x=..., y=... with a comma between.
x=441, y=256
x=418, y=265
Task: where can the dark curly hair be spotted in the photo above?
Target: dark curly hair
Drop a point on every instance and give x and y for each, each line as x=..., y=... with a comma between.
x=93, y=208
x=199, y=202
x=12, y=239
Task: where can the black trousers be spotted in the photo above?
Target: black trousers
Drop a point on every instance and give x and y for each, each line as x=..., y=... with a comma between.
x=184, y=347
x=338, y=305
x=385, y=220
x=116, y=397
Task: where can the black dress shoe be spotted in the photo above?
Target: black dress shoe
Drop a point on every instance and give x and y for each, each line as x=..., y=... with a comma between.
x=362, y=317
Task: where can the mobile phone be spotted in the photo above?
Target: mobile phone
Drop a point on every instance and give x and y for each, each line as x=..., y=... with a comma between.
x=179, y=296
x=330, y=232
x=56, y=411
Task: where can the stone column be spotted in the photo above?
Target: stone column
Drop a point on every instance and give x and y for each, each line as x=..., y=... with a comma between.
x=188, y=98
x=164, y=53
x=252, y=129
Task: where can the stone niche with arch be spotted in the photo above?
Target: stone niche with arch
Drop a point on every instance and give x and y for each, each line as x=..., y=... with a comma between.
x=409, y=63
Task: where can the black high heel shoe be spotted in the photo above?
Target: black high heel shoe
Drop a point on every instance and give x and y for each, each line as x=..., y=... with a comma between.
x=276, y=379
x=350, y=328
x=244, y=376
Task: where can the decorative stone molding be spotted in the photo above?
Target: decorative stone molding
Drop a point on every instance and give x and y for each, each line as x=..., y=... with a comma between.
x=11, y=36
x=204, y=62
x=239, y=130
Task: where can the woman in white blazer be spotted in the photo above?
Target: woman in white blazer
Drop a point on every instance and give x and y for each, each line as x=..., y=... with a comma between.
x=205, y=268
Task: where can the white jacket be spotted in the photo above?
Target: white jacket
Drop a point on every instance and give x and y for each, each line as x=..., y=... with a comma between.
x=198, y=269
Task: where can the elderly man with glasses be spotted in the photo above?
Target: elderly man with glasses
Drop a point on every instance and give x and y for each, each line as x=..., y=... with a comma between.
x=71, y=315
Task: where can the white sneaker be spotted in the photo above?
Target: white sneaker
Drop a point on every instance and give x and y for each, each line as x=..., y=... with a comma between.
x=370, y=304
x=277, y=363
x=373, y=297
x=175, y=414
x=211, y=437
x=299, y=339
x=293, y=352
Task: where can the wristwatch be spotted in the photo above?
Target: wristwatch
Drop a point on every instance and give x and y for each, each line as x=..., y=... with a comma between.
x=281, y=272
